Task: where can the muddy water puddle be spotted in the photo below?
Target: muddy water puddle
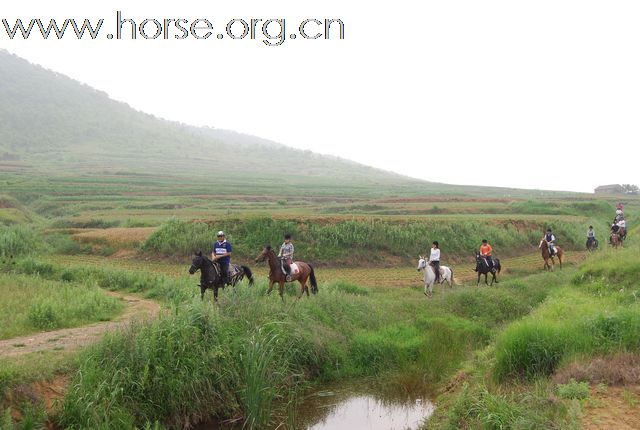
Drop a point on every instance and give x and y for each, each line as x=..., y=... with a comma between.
x=353, y=407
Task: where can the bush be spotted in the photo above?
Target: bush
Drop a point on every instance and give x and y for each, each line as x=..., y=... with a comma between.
x=42, y=315
x=18, y=241
x=574, y=390
x=529, y=349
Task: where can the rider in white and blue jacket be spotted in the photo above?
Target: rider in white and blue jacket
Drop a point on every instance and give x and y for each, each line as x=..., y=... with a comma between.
x=221, y=253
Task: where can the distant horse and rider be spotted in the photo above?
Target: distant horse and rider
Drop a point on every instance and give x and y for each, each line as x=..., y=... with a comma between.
x=211, y=276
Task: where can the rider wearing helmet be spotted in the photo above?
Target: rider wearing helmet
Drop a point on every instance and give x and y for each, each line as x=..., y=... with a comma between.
x=434, y=259
x=485, y=252
x=221, y=253
x=550, y=239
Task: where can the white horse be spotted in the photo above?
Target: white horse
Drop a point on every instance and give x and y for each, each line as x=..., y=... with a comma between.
x=446, y=274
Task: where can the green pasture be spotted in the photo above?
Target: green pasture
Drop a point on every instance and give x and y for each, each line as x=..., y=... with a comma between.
x=30, y=304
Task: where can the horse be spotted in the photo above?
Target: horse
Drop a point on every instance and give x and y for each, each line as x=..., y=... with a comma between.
x=446, y=274
x=482, y=267
x=210, y=274
x=616, y=239
x=592, y=244
x=546, y=255
x=276, y=274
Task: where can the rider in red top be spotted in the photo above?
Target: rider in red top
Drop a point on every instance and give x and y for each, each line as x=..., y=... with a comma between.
x=485, y=252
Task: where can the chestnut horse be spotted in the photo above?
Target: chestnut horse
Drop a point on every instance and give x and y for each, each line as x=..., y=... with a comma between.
x=546, y=255
x=616, y=239
x=276, y=274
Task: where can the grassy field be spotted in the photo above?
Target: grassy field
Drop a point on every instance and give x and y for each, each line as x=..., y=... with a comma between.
x=30, y=304
x=497, y=349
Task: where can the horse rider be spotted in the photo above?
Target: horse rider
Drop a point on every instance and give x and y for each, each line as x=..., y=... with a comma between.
x=286, y=256
x=619, y=211
x=222, y=254
x=591, y=236
x=623, y=228
x=485, y=252
x=434, y=259
x=551, y=242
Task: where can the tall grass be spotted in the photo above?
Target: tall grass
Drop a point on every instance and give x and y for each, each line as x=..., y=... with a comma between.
x=370, y=239
x=18, y=240
x=30, y=304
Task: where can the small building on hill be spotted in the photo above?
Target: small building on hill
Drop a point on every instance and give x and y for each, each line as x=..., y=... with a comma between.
x=610, y=189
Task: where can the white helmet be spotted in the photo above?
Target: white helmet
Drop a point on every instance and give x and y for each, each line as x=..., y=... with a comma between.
x=221, y=233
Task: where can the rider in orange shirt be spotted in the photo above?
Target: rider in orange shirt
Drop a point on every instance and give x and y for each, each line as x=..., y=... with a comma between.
x=485, y=252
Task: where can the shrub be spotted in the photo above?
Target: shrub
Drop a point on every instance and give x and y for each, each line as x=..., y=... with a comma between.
x=574, y=390
x=18, y=241
x=529, y=349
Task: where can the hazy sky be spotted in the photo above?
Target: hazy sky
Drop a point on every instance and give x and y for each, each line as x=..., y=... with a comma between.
x=542, y=94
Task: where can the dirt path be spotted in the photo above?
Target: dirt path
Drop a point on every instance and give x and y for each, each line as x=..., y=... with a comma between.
x=72, y=338
x=615, y=408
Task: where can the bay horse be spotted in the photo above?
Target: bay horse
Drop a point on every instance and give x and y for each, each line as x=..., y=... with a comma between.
x=482, y=267
x=211, y=274
x=305, y=272
x=546, y=255
x=446, y=274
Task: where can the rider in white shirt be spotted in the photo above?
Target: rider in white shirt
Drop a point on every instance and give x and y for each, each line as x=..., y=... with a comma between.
x=434, y=259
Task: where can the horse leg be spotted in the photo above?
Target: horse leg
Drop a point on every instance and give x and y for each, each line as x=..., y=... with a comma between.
x=282, y=290
x=202, y=290
x=485, y=280
x=270, y=287
x=478, y=283
x=215, y=293
x=305, y=287
x=302, y=285
x=560, y=260
x=493, y=278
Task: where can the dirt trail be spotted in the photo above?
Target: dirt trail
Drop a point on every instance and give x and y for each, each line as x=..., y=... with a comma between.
x=72, y=338
x=616, y=408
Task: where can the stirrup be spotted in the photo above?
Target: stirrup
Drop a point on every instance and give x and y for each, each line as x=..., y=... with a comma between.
x=288, y=278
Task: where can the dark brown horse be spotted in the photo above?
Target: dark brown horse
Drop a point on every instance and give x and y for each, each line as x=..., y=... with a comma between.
x=304, y=273
x=546, y=255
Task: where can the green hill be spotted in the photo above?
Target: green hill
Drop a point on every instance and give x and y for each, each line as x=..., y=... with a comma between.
x=49, y=121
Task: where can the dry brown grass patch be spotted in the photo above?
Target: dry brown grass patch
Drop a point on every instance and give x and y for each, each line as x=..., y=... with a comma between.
x=116, y=237
x=619, y=369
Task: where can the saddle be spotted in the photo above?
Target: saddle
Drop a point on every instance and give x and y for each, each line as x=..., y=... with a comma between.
x=294, y=269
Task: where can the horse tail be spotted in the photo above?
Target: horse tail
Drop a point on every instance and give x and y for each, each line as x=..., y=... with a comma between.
x=498, y=266
x=314, y=283
x=247, y=271
x=453, y=281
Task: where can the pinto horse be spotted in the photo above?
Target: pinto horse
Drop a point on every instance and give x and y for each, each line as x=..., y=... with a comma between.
x=482, y=267
x=546, y=255
x=305, y=272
